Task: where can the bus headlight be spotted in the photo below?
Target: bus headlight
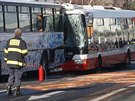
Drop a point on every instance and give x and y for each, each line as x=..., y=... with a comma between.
x=78, y=61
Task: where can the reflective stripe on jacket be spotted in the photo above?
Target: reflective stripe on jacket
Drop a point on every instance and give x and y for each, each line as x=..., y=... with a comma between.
x=15, y=52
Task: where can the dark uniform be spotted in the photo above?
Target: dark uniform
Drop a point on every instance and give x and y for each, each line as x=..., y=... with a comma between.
x=15, y=52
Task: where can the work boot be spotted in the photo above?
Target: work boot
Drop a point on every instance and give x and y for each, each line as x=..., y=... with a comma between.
x=17, y=91
x=9, y=90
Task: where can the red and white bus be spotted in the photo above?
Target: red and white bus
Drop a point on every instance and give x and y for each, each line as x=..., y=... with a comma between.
x=97, y=37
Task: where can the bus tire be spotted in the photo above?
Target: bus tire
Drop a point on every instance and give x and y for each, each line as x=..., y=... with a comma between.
x=0, y=69
x=125, y=64
x=98, y=69
x=128, y=60
x=128, y=57
x=44, y=62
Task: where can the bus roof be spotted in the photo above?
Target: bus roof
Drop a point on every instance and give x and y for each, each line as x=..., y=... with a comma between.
x=104, y=13
x=112, y=13
x=28, y=3
x=98, y=11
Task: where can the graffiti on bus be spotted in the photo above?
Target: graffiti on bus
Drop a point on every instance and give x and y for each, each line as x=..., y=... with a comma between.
x=36, y=43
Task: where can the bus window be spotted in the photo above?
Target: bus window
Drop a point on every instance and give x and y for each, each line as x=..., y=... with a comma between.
x=89, y=19
x=58, y=23
x=1, y=22
x=24, y=18
x=1, y=19
x=36, y=10
x=53, y=23
x=24, y=21
x=34, y=22
x=37, y=19
x=11, y=21
x=48, y=23
x=1, y=8
x=100, y=22
x=125, y=24
x=112, y=21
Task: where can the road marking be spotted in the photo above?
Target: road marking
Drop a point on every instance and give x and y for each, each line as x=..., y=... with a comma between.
x=1, y=91
x=44, y=95
x=109, y=94
x=17, y=98
x=132, y=85
x=132, y=62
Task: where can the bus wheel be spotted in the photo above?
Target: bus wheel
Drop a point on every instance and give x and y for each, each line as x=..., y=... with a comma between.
x=44, y=62
x=128, y=60
x=128, y=57
x=98, y=69
x=0, y=69
x=125, y=64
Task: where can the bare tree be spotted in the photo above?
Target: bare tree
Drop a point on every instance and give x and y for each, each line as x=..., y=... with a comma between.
x=116, y=3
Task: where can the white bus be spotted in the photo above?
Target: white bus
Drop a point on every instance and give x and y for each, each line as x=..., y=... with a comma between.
x=42, y=27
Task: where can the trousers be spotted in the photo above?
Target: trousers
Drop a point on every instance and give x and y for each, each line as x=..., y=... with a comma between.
x=15, y=75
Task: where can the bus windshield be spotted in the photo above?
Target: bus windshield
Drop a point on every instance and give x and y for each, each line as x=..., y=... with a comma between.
x=74, y=31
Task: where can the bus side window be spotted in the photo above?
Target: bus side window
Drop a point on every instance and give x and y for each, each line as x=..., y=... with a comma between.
x=83, y=20
x=39, y=23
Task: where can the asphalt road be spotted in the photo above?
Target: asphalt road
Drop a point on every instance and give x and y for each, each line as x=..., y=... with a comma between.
x=127, y=95
x=97, y=92
x=113, y=85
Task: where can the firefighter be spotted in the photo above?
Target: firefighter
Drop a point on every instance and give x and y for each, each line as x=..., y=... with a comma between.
x=14, y=54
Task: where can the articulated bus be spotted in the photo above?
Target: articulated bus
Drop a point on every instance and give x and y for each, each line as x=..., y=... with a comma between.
x=95, y=38
x=42, y=27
